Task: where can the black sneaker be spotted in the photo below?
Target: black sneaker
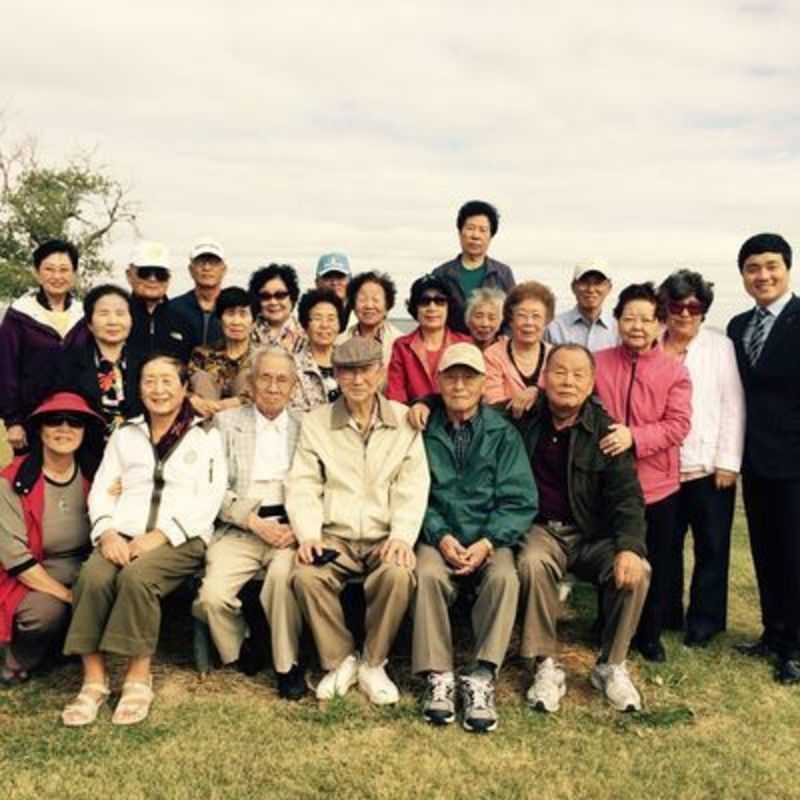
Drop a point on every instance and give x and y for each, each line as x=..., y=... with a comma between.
x=477, y=700
x=439, y=703
x=292, y=684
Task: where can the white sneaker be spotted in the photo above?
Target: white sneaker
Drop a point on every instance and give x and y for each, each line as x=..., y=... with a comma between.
x=615, y=683
x=377, y=685
x=548, y=687
x=338, y=681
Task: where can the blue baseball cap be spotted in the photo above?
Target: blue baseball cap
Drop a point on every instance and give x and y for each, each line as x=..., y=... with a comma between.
x=333, y=262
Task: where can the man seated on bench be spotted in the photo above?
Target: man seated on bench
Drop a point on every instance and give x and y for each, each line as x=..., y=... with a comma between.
x=482, y=503
x=259, y=442
x=149, y=535
x=356, y=496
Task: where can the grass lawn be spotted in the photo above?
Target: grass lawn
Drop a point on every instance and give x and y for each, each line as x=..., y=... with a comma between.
x=715, y=725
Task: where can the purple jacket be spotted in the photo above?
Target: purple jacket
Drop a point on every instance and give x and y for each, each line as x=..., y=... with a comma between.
x=30, y=349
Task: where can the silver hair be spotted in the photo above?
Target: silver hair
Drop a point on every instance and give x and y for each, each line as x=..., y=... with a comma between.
x=483, y=296
x=271, y=350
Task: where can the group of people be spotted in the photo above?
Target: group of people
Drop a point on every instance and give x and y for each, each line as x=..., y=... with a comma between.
x=304, y=441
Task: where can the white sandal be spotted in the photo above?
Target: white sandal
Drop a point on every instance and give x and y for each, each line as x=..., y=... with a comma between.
x=83, y=709
x=134, y=703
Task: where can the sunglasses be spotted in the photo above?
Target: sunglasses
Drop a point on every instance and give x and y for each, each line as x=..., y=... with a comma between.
x=57, y=420
x=436, y=299
x=281, y=294
x=694, y=308
x=161, y=274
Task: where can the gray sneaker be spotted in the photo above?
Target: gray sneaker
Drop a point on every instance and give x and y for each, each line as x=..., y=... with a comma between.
x=615, y=683
x=548, y=687
x=439, y=704
x=477, y=702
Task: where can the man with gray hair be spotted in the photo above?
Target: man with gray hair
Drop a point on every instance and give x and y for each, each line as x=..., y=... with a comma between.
x=587, y=323
x=254, y=534
x=356, y=496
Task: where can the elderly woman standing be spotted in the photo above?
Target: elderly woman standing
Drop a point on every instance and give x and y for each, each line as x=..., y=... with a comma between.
x=275, y=289
x=371, y=296
x=484, y=315
x=711, y=455
x=149, y=536
x=36, y=331
x=44, y=531
x=320, y=312
x=515, y=364
x=104, y=370
x=648, y=393
x=414, y=366
x=218, y=373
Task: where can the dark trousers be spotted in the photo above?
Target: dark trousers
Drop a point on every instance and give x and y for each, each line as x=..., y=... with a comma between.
x=709, y=512
x=660, y=519
x=773, y=519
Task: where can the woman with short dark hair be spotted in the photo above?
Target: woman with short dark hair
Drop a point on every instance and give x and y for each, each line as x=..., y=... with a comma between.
x=44, y=530
x=414, y=365
x=218, y=373
x=104, y=369
x=649, y=394
x=36, y=332
x=710, y=457
x=320, y=313
x=274, y=291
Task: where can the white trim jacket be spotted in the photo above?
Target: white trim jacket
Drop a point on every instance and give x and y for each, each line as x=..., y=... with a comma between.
x=716, y=438
x=180, y=495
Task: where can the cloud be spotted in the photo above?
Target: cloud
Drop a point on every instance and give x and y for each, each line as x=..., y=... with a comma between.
x=654, y=135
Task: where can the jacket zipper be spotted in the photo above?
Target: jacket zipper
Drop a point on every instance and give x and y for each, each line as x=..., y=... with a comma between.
x=634, y=361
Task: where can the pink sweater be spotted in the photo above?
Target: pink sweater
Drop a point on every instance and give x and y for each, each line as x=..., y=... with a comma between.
x=651, y=393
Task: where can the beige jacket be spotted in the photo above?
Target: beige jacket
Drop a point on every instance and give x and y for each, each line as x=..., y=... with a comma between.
x=341, y=486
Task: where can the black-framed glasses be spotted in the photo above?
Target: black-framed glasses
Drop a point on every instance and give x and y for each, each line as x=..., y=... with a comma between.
x=281, y=294
x=161, y=274
x=435, y=299
x=57, y=420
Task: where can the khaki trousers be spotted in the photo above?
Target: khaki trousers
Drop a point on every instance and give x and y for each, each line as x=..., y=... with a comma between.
x=547, y=554
x=231, y=561
x=493, y=612
x=118, y=610
x=387, y=589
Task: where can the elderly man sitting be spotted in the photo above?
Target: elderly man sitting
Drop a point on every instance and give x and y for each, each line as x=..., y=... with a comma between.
x=356, y=497
x=590, y=522
x=482, y=502
x=259, y=442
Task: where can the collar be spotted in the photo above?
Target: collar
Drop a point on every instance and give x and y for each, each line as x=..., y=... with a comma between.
x=340, y=415
x=778, y=305
x=605, y=319
x=266, y=425
x=41, y=299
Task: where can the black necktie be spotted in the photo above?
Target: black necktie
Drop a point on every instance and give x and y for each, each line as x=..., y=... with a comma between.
x=758, y=335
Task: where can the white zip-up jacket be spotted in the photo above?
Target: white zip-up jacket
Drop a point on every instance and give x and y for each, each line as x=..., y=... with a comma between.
x=716, y=438
x=180, y=496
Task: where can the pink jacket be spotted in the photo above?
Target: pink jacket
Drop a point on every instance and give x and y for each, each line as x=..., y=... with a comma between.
x=502, y=379
x=651, y=393
x=409, y=377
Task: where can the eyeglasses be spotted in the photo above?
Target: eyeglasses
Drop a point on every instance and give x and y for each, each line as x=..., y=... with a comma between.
x=161, y=274
x=435, y=299
x=281, y=294
x=57, y=420
x=694, y=308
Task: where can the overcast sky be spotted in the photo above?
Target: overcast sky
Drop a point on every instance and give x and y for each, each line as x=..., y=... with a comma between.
x=654, y=134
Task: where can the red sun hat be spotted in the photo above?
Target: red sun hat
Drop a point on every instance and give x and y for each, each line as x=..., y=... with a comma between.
x=62, y=402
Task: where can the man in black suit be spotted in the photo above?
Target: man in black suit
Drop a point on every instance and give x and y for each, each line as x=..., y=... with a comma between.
x=767, y=341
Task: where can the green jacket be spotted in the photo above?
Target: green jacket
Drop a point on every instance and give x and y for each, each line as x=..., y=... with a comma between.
x=493, y=497
x=604, y=493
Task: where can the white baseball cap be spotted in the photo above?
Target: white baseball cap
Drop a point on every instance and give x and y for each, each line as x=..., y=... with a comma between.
x=591, y=265
x=206, y=247
x=150, y=254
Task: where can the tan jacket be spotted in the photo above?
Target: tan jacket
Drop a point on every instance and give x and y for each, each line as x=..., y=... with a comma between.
x=341, y=486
